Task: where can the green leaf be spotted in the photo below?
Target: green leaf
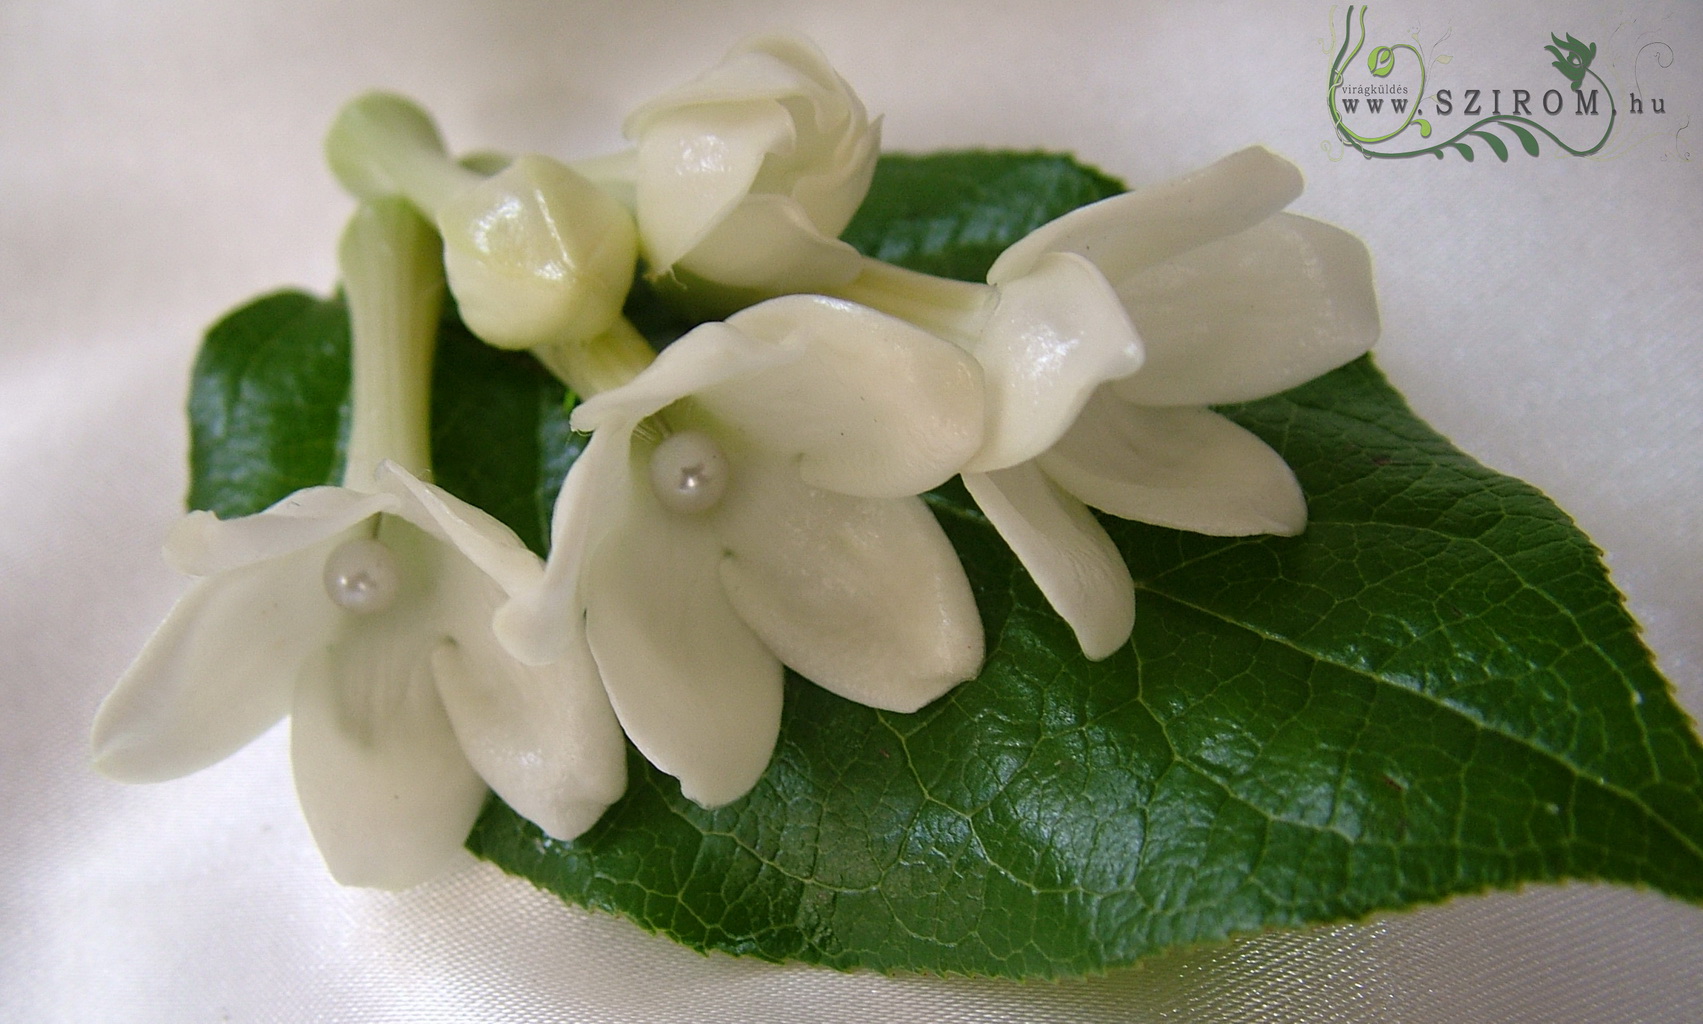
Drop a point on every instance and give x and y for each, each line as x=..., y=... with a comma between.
x=500, y=436
x=951, y=214
x=1434, y=690
x=268, y=401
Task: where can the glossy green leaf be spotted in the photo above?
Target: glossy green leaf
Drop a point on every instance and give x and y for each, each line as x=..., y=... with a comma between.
x=268, y=403
x=951, y=214
x=1433, y=691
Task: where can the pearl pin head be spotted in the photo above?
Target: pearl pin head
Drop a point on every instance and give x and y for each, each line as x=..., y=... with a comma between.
x=362, y=576
x=689, y=473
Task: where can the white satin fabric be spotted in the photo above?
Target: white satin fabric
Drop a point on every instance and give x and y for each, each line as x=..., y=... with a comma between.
x=160, y=163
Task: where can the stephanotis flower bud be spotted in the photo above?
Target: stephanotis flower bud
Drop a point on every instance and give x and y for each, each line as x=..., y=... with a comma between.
x=748, y=501
x=746, y=177
x=364, y=612
x=1231, y=300
x=536, y=254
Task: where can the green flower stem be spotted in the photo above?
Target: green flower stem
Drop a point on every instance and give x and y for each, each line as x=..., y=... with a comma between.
x=394, y=283
x=607, y=361
x=955, y=310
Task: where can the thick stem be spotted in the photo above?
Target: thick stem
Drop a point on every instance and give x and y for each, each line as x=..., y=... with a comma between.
x=393, y=281
x=955, y=310
x=607, y=361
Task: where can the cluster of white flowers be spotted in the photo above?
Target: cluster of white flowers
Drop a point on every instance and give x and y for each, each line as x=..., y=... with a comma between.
x=749, y=499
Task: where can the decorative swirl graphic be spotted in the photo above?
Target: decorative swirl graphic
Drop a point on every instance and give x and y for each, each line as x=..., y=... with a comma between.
x=1573, y=61
x=1663, y=59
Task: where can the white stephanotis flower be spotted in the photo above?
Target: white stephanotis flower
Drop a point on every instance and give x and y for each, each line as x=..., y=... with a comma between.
x=360, y=616
x=746, y=176
x=1232, y=300
x=748, y=501
x=364, y=612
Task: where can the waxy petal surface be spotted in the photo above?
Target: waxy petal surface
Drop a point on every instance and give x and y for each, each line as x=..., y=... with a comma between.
x=480, y=537
x=696, y=165
x=1129, y=232
x=832, y=194
x=1056, y=334
x=202, y=544
x=769, y=243
x=864, y=597
x=1188, y=469
x=707, y=355
x=1066, y=551
x=1251, y=315
x=771, y=66
x=694, y=688
x=869, y=405
x=219, y=671
x=545, y=622
x=379, y=772
x=543, y=737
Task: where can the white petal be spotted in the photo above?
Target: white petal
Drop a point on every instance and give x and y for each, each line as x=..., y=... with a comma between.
x=863, y=596
x=775, y=66
x=202, y=544
x=379, y=772
x=695, y=690
x=1137, y=229
x=544, y=622
x=798, y=61
x=219, y=671
x=1189, y=469
x=1251, y=315
x=1056, y=334
x=831, y=196
x=478, y=535
x=544, y=738
x=703, y=357
x=696, y=164
x=769, y=243
x=1072, y=560
x=870, y=405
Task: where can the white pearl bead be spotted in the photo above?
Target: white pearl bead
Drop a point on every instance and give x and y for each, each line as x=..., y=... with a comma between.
x=361, y=576
x=689, y=473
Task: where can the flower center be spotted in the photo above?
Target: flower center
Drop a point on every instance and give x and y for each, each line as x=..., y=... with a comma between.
x=689, y=473
x=361, y=576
